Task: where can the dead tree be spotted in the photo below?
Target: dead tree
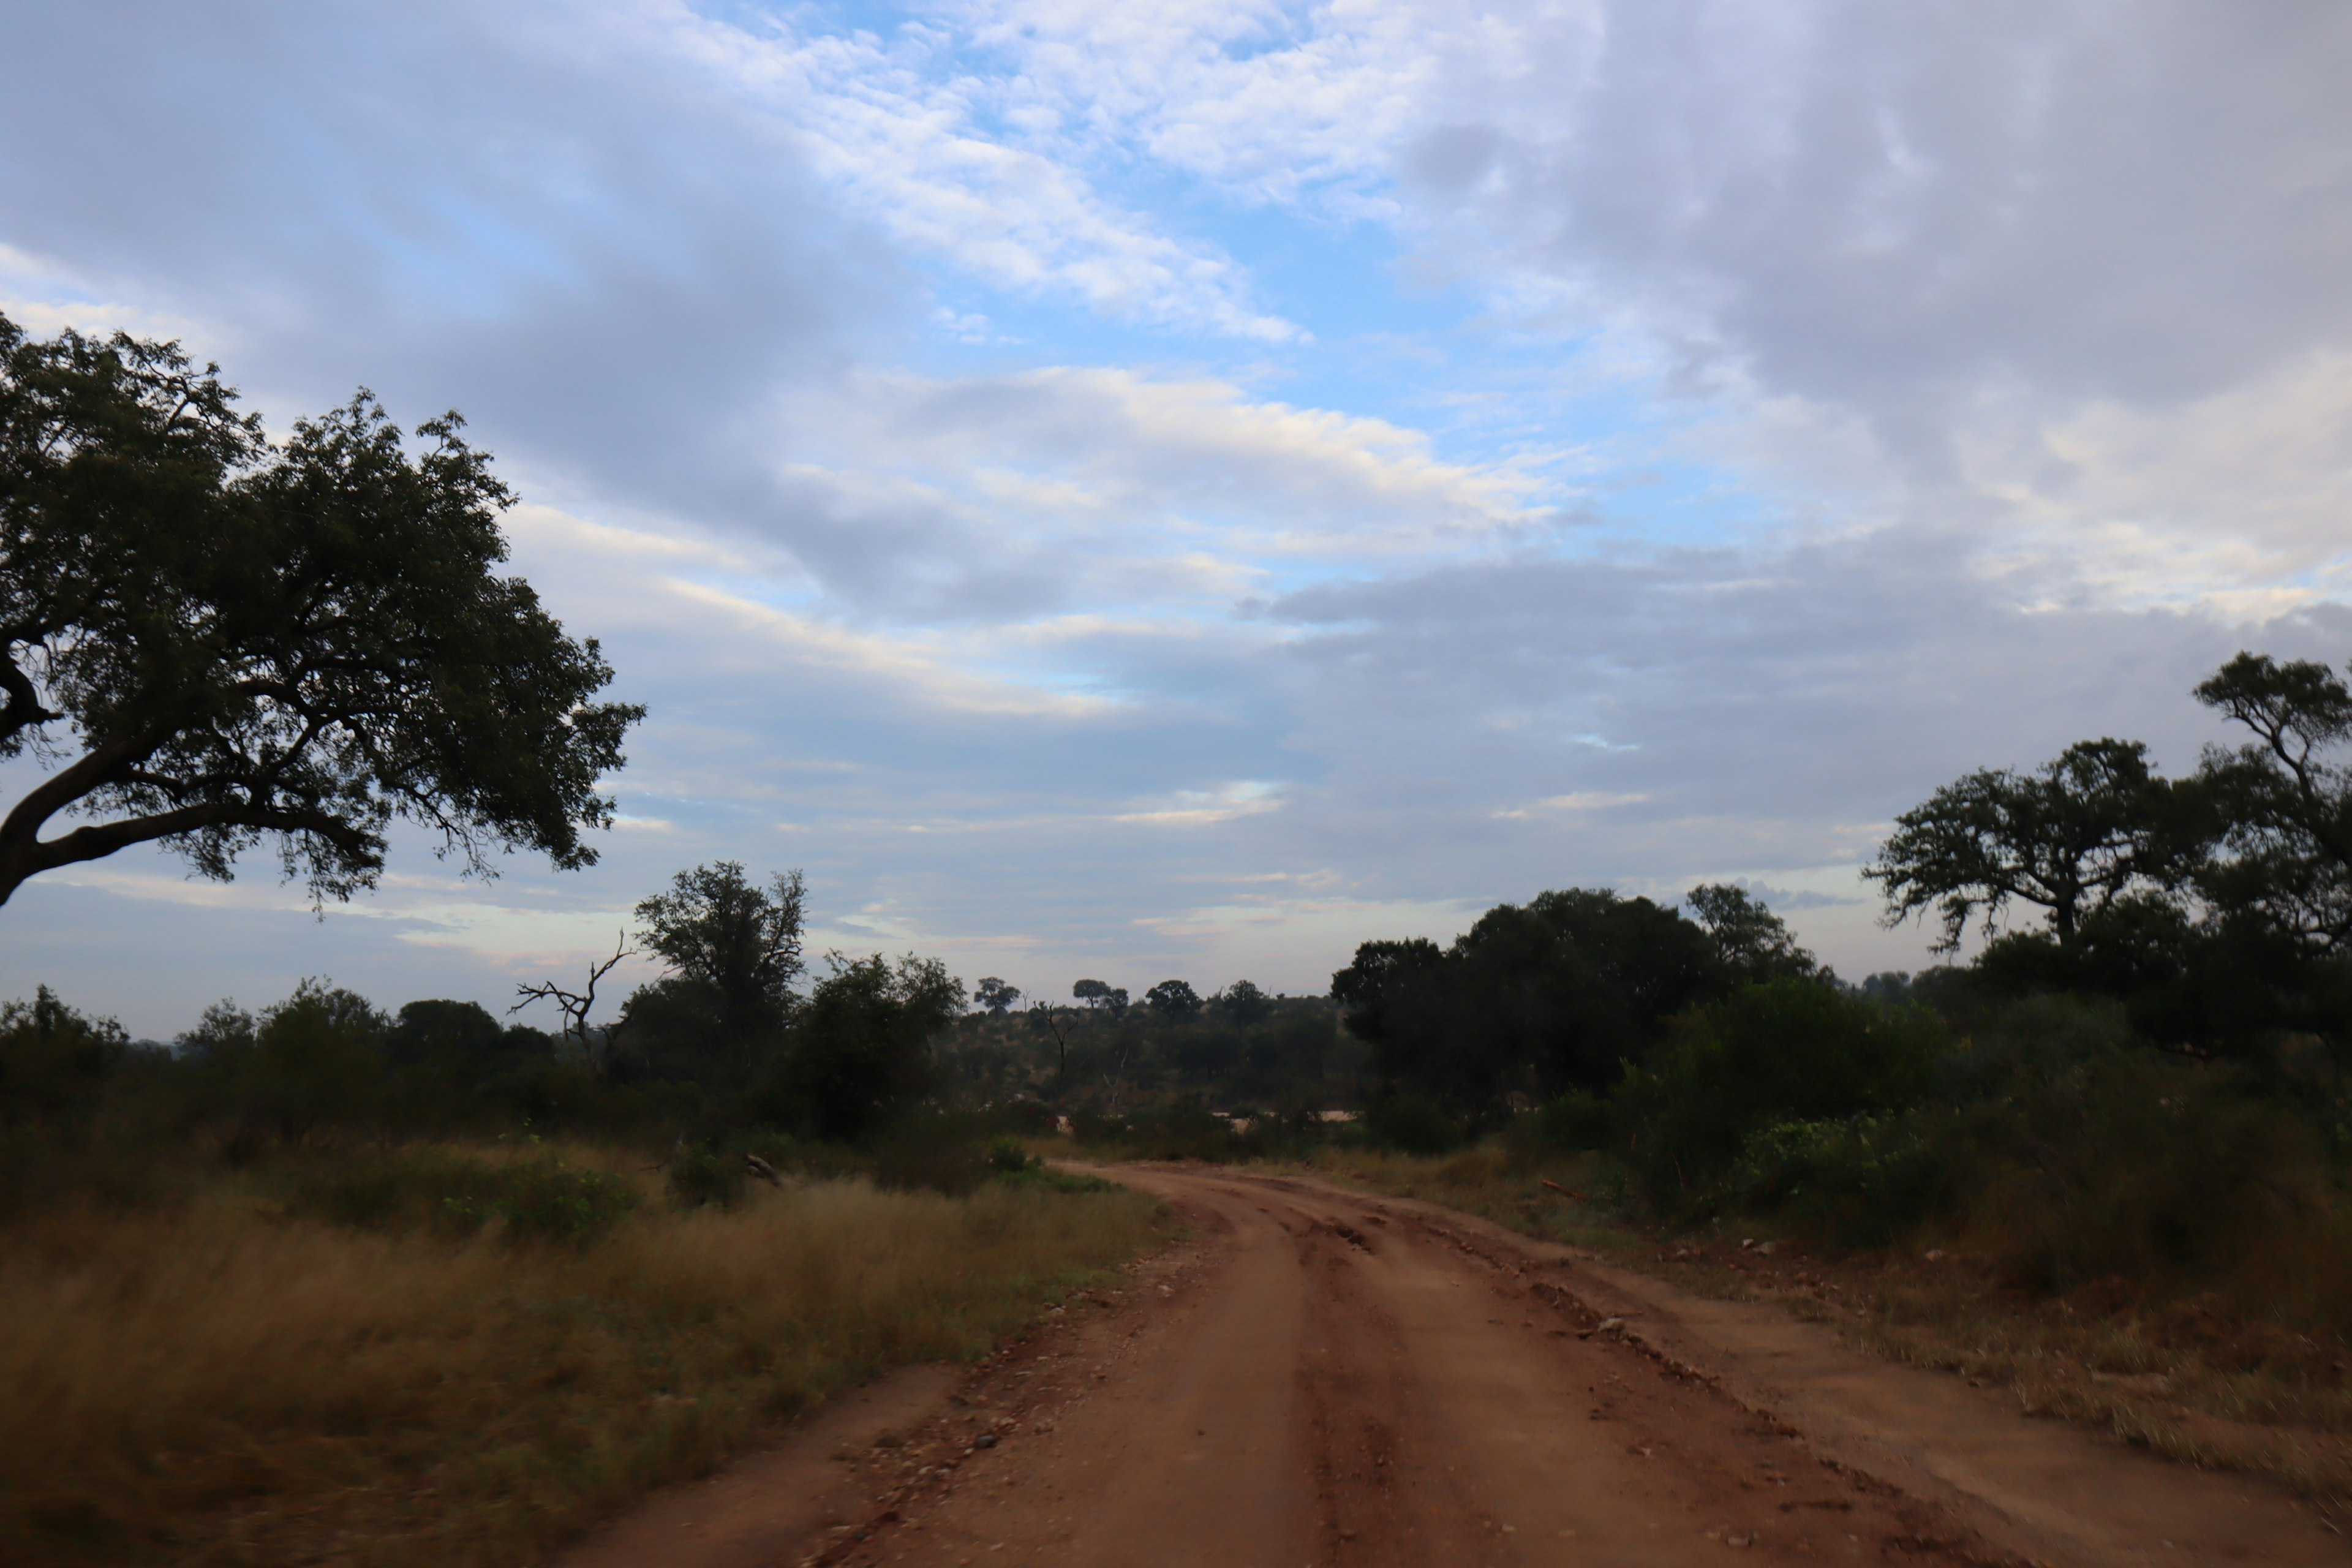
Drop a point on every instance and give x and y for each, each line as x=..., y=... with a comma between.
x=1042, y=1016
x=574, y=1005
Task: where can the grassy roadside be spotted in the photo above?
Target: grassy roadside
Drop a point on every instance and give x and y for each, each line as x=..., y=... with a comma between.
x=2189, y=1375
x=379, y=1367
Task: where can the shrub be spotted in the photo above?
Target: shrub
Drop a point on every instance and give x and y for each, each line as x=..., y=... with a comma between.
x=1007, y=1155
x=702, y=1177
x=1787, y=1050
x=932, y=1153
x=538, y=1199
x=1185, y=1129
x=2121, y=1162
x=1863, y=1179
x=1577, y=1121
x=1413, y=1123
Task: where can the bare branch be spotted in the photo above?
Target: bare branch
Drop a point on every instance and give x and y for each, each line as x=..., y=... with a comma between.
x=574, y=1005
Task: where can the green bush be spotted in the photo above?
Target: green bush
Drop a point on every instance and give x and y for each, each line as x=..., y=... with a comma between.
x=2123, y=1162
x=1863, y=1179
x=1007, y=1155
x=1575, y=1122
x=541, y=1200
x=1185, y=1129
x=702, y=1177
x=1787, y=1050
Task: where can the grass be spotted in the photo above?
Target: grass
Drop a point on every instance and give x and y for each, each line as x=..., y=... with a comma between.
x=2245, y=1372
x=257, y=1375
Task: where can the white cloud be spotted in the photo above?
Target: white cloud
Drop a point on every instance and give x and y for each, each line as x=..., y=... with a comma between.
x=2070, y=273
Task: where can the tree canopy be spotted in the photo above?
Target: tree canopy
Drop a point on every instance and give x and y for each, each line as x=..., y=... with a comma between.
x=1533, y=999
x=1174, y=999
x=2285, y=798
x=224, y=639
x=2071, y=838
x=1754, y=942
x=733, y=950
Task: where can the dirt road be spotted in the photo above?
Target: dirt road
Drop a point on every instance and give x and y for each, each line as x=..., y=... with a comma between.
x=1324, y=1379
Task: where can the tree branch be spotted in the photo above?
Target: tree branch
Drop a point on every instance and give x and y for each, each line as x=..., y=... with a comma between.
x=22, y=709
x=25, y=856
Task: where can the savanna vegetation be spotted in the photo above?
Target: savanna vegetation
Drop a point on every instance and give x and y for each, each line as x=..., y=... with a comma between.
x=434, y=1286
x=2107, y=1159
x=324, y=1283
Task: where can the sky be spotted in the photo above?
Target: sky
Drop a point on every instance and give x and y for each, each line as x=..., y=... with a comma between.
x=1179, y=489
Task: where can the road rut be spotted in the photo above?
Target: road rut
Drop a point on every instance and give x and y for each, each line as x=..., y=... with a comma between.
x=1325, y=1379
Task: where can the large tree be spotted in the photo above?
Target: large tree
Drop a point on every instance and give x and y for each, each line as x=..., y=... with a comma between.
x=733, y=950
x=1755, y=943
x=2285, y=798
x=214, y=638
x=1533, y=999
x=2071, y=838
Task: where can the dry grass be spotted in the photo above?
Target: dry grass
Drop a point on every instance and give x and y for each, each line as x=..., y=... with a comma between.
x=2245, y=1374
x=230, y=1383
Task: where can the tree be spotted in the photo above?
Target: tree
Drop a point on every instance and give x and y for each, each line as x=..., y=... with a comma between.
x=1174, y=999
x=861, y=1052
x=2070, y=838
x=1243, y=1003
x=1754, y=942
x=224, y=639
x=575, y=1005
x=2285, y=804
x=1111, y=999
x=54, y=1061
x=1531, y=1001
x=1044, y=1018
x=743, y=942
x=993, y=996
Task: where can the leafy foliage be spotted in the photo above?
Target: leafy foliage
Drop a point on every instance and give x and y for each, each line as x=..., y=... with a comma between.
x=1531, y=1001
x=861, y=1049
x=2285, y=799
x=246, y=640
x=2093, y=827
x=1785, y=1051
x=1174, y=999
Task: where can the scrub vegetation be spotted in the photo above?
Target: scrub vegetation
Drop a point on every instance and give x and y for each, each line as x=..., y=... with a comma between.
x=2107, y=1160
x=320, y=1284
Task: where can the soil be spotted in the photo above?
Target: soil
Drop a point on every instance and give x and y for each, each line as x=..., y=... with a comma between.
x=1321, y=1378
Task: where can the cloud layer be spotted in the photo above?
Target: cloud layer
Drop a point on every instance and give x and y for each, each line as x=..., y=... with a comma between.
x=1186, y=488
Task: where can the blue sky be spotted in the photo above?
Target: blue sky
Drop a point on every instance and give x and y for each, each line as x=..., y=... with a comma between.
x=1178, y=489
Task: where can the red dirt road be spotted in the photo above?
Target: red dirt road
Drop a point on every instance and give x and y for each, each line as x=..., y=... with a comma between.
x=1324, y=1379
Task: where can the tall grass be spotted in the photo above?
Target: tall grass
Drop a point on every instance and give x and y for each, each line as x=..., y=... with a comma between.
x=240, y=1381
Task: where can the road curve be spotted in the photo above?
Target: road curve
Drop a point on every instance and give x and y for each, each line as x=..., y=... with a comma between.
x=1321, y=1378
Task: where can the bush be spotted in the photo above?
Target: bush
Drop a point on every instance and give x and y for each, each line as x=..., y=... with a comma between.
x=1413, y=1123
x=1787, y=1050
x=933, y=1153
x=1575, y=1122
x=1007, y=1155
x=2122, y=1162
x=1863, y=1179
x=702, y=1177
x=1094, y=1127
x=540, y=1199
x=1185, y=1129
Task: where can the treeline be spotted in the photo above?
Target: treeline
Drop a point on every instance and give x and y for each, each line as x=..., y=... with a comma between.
x=739, y=1047
x=725, y=1054
x=2216, y=909
x=1109, y=1063
x=2139, y=1073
